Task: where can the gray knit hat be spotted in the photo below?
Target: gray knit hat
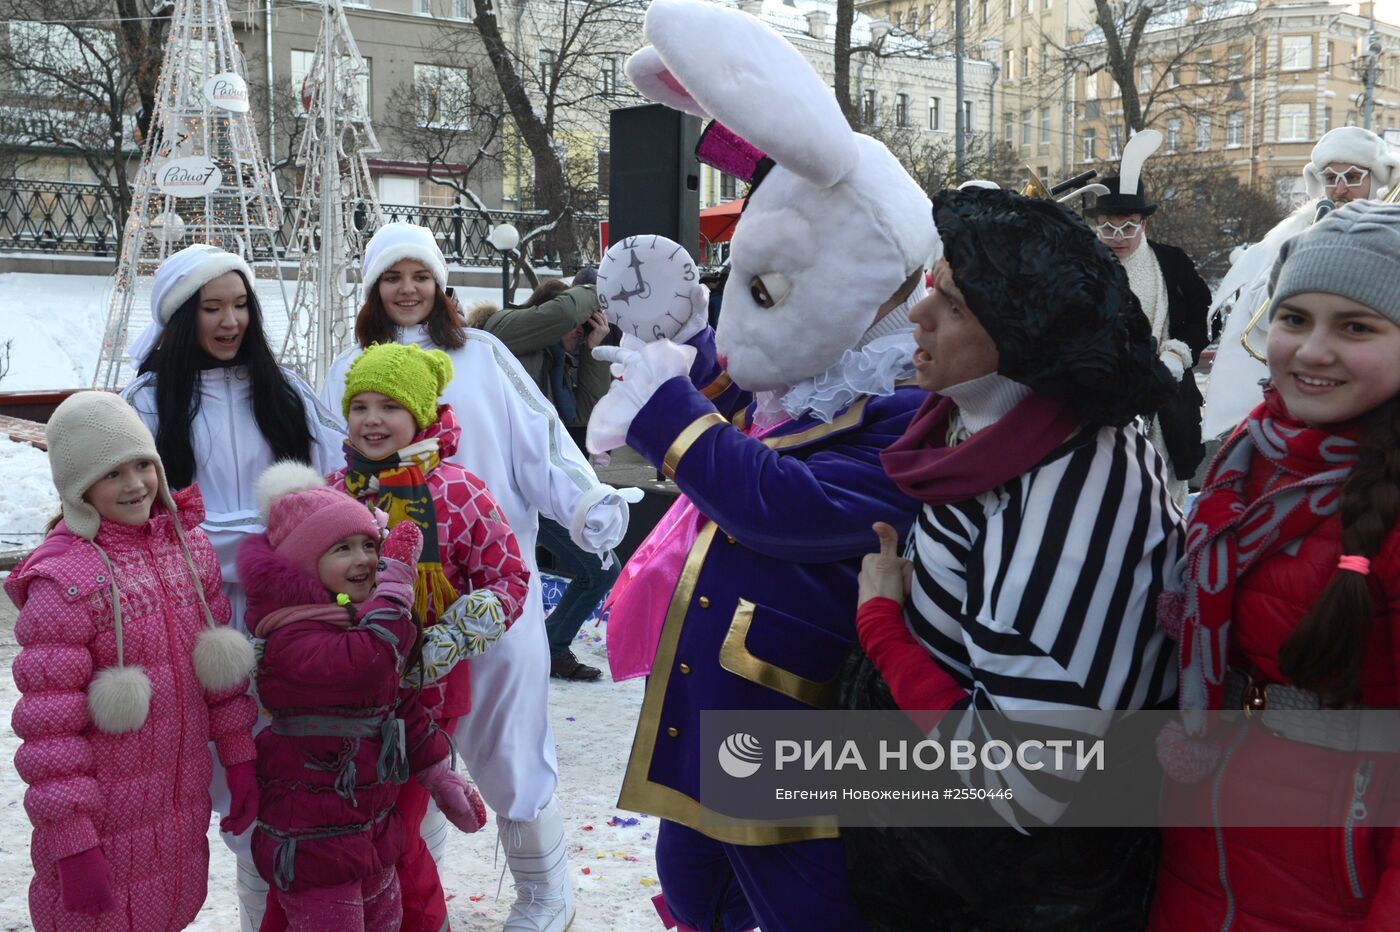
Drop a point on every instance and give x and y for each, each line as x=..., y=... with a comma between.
x=1354, y=252
x=89, y=435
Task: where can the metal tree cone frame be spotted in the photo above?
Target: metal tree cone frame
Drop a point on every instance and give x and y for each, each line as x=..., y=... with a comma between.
x=203, y=179
x=337, y=209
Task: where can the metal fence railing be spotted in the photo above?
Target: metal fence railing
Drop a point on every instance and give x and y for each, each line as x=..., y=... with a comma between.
x=70, y=217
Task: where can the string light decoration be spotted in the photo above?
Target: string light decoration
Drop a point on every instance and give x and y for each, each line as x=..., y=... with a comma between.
x=337, y=208
x=203, y=179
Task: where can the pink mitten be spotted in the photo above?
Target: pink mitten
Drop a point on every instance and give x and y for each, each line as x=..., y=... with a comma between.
x=404, y=543
x=85, y=882
x=243, y=787
x=455, y=796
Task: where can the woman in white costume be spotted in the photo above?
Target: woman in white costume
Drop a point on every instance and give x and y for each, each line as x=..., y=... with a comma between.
x=513, y=440
x=222, y=411
x=1347, y=164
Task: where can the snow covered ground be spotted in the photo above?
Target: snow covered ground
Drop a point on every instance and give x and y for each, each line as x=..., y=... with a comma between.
x=55, y=324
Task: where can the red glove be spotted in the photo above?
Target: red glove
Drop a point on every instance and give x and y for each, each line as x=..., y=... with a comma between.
x=243, y=788
x=916, y=681
x=85, y=883
x=455, y=796
x=404, y=543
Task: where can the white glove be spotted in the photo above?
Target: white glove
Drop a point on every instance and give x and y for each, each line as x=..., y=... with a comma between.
x=600, y=519
x=640, y=368
x=1176, y=356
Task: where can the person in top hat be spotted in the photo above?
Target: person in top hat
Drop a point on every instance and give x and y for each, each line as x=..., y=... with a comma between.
x=1347, y=164
x=1174, y=298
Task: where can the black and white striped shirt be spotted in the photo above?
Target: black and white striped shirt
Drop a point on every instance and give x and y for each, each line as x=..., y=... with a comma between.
x=1041, y=595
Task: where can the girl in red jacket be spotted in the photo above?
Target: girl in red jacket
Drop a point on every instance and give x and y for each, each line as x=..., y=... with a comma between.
x=1291, y=593
x=335, y=613
x=470, y=573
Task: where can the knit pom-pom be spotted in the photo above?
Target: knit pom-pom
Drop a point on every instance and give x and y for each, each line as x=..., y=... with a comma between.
x=281, y=479
x=223, y=658
x=1186, y=758
x=1171, y=613
x=119, y=699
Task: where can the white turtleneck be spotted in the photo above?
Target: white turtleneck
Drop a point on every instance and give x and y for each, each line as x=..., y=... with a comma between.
x=983, y=401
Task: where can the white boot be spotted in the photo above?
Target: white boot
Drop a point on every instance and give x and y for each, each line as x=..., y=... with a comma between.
x=539, y=862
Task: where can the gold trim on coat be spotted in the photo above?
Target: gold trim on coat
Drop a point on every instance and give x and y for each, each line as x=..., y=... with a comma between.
x=718, y=386
x=639, y=793
x=686, y=438
x=734, y=656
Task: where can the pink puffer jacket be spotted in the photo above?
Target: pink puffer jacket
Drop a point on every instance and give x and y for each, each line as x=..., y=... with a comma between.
x=142, y=796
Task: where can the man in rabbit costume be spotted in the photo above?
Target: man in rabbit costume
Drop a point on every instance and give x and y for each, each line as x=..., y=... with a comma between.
x=743, y=597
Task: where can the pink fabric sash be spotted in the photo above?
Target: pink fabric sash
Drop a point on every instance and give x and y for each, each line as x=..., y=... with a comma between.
x=637, y=604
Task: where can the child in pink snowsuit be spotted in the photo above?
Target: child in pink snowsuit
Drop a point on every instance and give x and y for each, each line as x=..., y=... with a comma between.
x=335, y=613
x=126, y=674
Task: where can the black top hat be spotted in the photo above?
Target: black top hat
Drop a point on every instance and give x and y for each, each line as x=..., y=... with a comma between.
x=1118, y=204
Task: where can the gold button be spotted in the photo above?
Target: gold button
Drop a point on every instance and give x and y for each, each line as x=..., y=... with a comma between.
x=730, y=539
x=704, y=602
x=673, y=732
x=685, y=668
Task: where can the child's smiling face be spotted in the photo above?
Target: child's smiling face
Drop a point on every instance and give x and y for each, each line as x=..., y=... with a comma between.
x=125, y=495
x=349, y=566
x=379, y=425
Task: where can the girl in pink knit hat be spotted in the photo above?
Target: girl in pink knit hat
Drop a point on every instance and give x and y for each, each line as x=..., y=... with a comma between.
x=335, y=612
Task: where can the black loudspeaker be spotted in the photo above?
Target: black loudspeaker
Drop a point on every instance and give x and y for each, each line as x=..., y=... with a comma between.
x=654, y=179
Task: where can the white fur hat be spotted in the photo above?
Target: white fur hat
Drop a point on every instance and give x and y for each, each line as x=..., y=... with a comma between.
x=179, y=277
x=396, y=241
x=1354, y=146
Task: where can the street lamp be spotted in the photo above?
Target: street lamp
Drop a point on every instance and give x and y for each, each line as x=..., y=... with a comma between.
x=504, y=238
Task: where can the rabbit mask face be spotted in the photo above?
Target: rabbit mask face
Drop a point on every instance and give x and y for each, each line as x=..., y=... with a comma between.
x=835, y=227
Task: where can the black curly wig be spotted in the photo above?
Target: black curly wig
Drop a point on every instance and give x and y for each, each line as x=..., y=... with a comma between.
x=1055, y=301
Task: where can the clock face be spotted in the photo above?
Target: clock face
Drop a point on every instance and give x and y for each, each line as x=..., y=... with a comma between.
x=645, y=285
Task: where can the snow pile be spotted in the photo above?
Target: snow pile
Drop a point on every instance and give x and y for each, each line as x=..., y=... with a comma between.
x=53, y=325
x=29, y=500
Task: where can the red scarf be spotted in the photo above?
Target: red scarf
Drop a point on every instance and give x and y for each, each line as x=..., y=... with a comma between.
x=1228, y=535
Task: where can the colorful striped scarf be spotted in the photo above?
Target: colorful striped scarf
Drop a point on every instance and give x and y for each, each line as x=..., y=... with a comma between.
x=399, y=486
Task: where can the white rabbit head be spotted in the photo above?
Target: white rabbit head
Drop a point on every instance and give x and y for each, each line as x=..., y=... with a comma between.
x=835, y=227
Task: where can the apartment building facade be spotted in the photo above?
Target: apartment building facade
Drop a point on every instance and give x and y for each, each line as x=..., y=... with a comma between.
x=1250, y=91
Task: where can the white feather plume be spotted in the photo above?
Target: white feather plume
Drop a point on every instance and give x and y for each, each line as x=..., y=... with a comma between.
x=1135, y=153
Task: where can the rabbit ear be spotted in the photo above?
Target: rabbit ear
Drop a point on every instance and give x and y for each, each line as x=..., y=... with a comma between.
x=649, y=76
x=728, y=65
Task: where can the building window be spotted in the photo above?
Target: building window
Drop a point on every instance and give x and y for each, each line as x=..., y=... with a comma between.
x=1115, y=142
x=1086, y=145
x=870, y=109
x=969, y=111
x=1293, y=120
x=1326, y=52
x=1044, y=58
x=1010, y=9
x=421, y=6
x=1236, y=60
x=985, y=10
x=901, y=109
x=1202, y=133
x=444, y=96
x=1006, y=61
x=1295, y=53
x=1025, y=127
x=301, y=66
x=1091, y=86
x=1145, y=77
x=728, y=189
x=935, y=116
x=1026, y=61
x=1029, y=8
x=607, y=77
x=461, y=9
x=1326, y=120
x=1234, y=129
x=1174, y=134
x=1205, y=69
x=1173, y=75
x=604, y=173
x=1045, y=126
x=1008, y=127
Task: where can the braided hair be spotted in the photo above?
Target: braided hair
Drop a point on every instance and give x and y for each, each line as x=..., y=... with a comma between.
x=1324, y=652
